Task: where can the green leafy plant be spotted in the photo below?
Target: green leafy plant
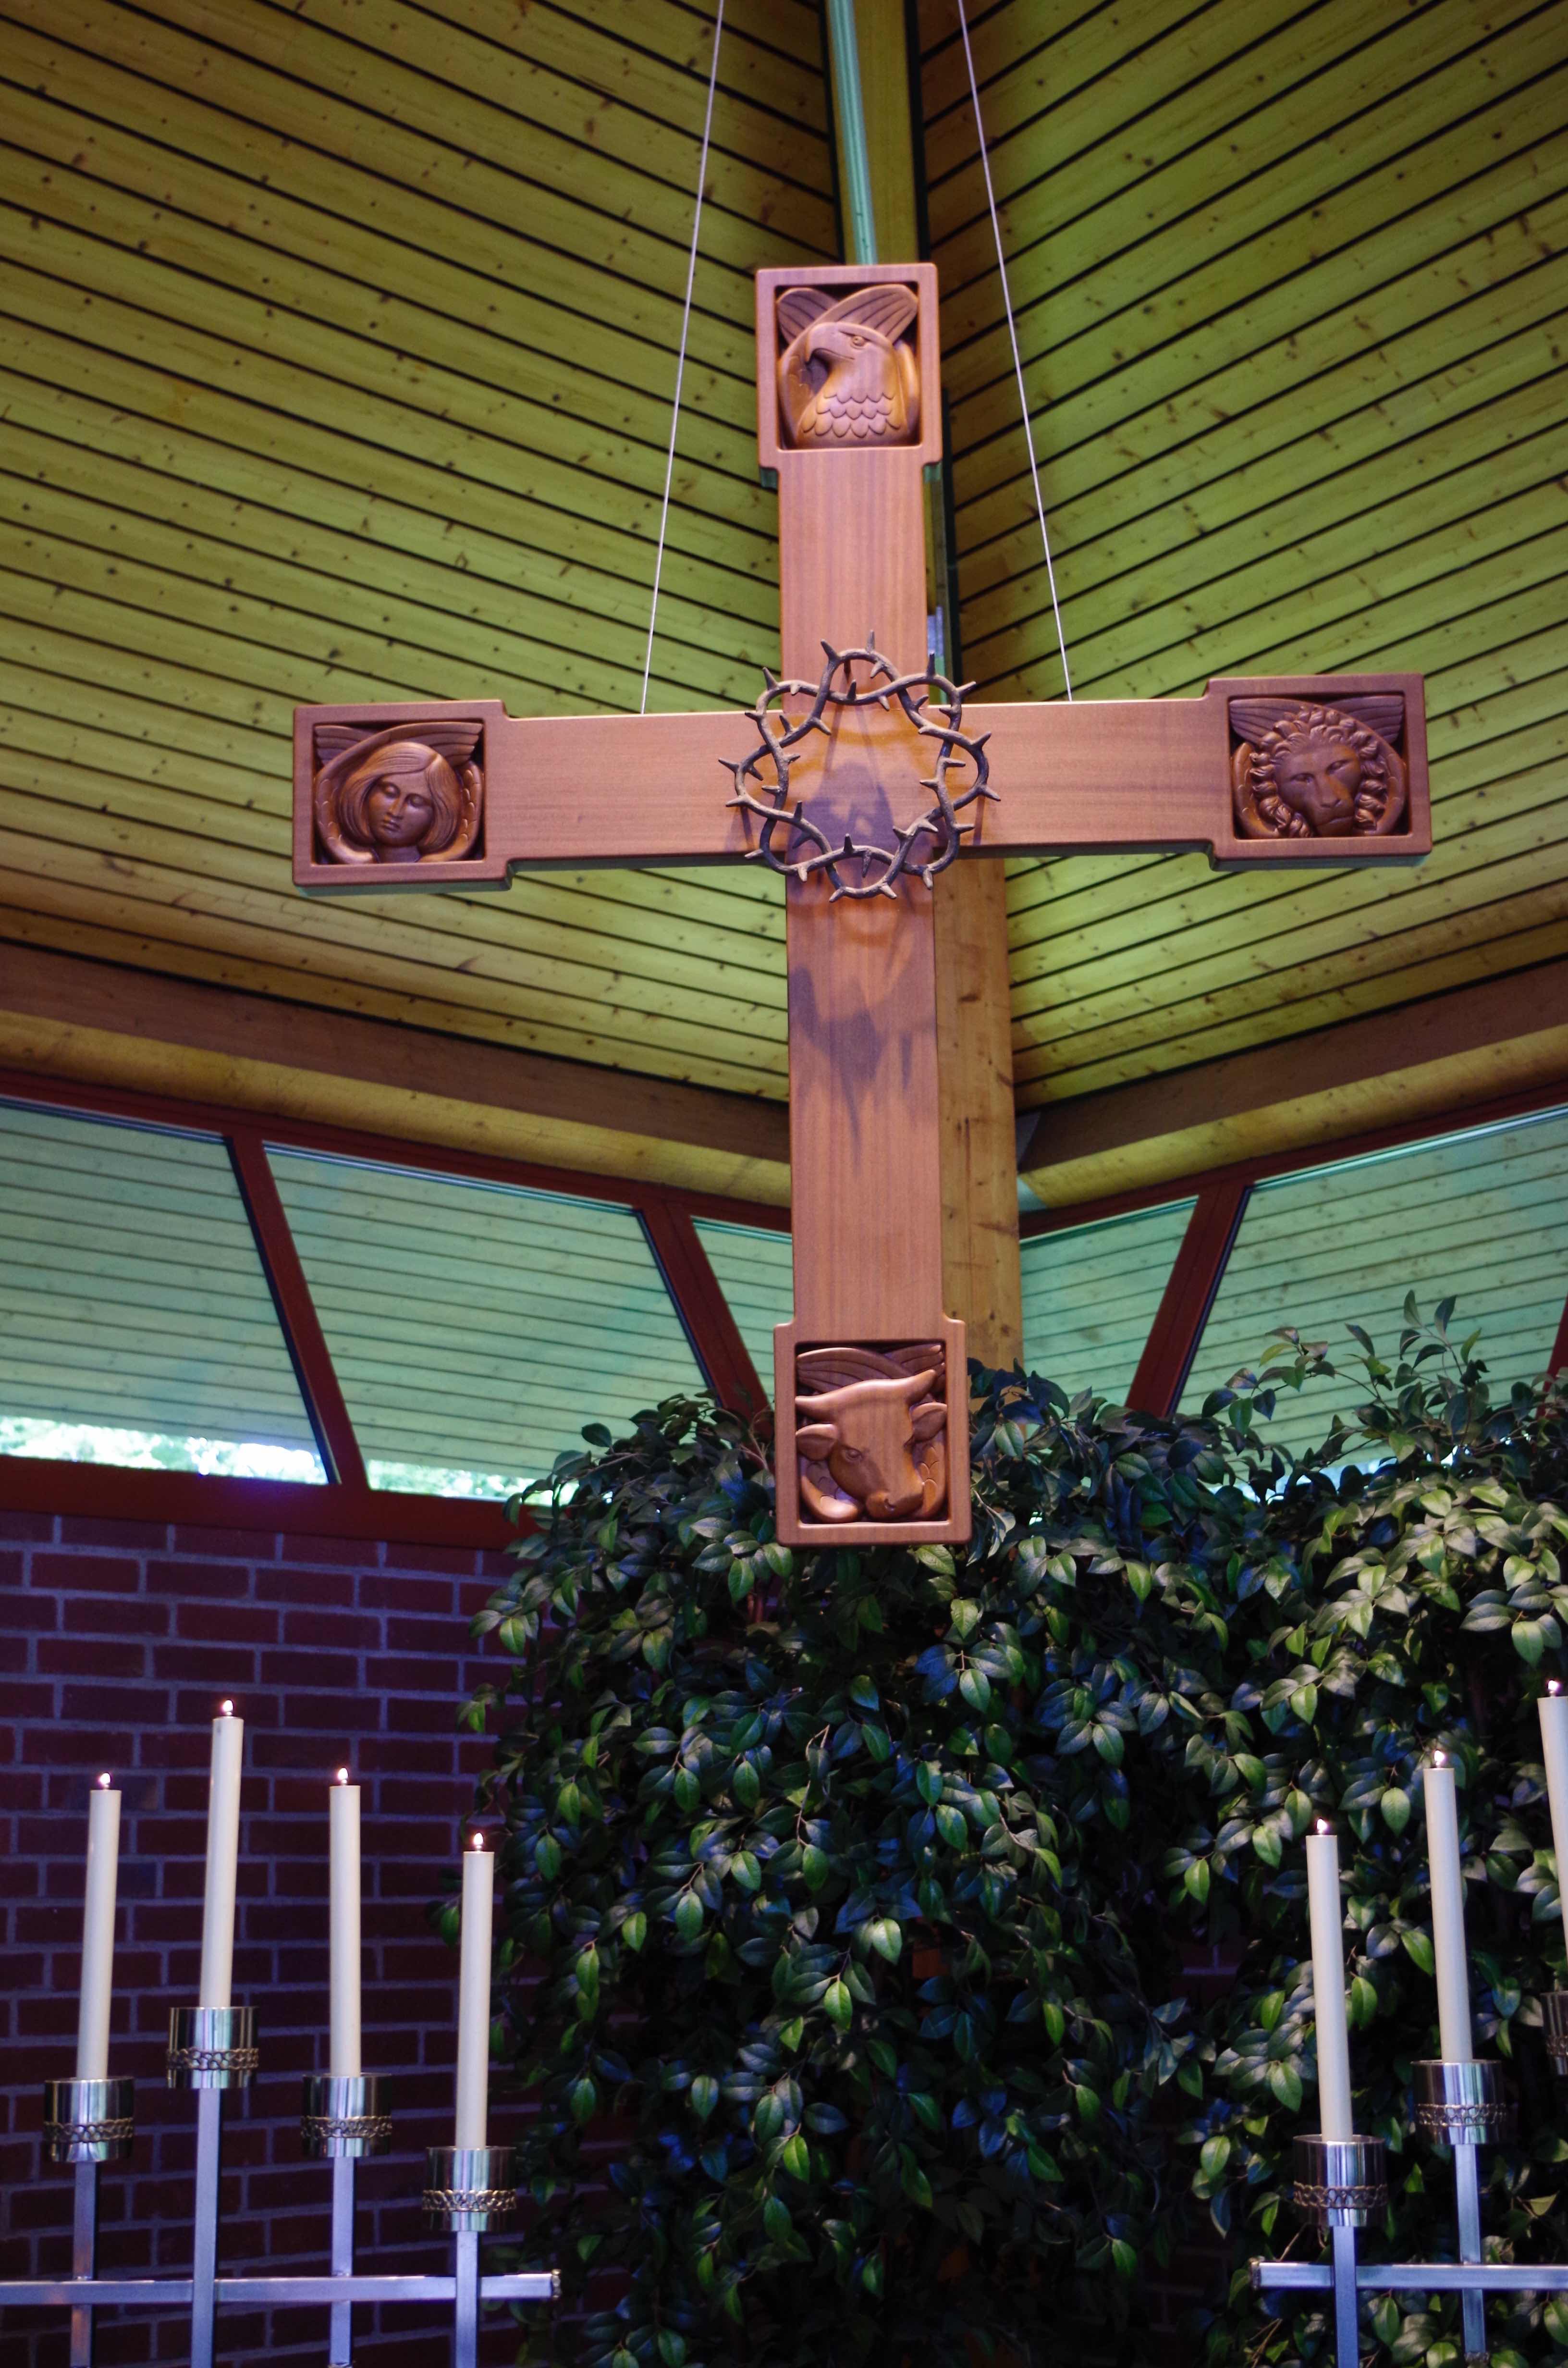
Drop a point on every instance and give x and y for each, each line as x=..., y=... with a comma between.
x=847, y=1896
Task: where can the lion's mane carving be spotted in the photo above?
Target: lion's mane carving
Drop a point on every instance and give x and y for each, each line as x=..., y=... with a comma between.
x=1305, y=772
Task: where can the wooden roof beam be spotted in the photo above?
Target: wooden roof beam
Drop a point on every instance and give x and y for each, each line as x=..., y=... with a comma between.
x=103, y=1023
x=1429, y=1059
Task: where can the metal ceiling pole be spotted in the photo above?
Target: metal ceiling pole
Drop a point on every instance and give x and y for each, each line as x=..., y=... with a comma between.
x=860, y=221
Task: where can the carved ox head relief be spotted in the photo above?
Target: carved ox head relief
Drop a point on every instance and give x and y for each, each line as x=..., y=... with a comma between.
x=873, y=1432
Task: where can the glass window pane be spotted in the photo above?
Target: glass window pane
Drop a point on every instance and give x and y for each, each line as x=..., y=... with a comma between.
x=1091, y=1294
x=757, y=1276
x=138, y=1324
x=476, y=1328
x=1482, y=1216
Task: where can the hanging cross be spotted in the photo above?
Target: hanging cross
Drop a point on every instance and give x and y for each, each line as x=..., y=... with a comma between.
x=861, y=776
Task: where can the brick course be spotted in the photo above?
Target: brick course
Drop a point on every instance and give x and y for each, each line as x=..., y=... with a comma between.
x=116, y=1642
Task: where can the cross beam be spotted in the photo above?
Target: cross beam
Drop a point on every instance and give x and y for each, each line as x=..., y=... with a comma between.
x=871, y=1396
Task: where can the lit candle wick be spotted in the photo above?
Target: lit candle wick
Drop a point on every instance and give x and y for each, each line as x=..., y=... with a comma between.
x=1554, y=1685
x=342, y=1776
x=1323, y=1826
x=479, y=1841
x=104, y=1782
x=225, y=1709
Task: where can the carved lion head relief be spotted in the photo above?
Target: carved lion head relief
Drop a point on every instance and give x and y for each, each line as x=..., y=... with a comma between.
x=1304, y=771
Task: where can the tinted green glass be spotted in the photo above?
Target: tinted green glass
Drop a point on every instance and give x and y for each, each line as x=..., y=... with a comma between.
x=1481, y=1216
x=474, y=1328
x=137, y=1322
x=755, y=1275
x=1091, y=1294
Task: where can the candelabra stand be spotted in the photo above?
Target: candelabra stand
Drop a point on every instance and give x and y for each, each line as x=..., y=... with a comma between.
x=88, y=2122
x=1461, y=2105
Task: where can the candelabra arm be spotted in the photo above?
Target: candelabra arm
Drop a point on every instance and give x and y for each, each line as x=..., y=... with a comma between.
x=465, y=2331
x=1467, y=2195
x=1346, y=2342
x=83, y=2244
x=340, y=2350
x=204, y=2255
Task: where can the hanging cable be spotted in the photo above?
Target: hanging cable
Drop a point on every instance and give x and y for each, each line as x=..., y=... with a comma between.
x=1013, y=336
x=680, y=357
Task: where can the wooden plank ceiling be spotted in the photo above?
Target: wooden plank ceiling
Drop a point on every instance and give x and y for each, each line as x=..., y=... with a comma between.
x=338, y=350
x=338, y=358
x=1291, y=284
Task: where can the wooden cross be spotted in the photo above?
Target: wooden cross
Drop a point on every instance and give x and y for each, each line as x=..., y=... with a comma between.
x=870, y=1375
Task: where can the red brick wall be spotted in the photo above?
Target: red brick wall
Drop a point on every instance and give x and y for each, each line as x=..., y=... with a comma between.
x=116, y=1640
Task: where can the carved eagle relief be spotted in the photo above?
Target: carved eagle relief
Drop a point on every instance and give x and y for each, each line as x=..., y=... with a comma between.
x=848, y=374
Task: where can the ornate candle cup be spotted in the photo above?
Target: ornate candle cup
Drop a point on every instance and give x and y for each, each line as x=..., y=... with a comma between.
x=212, y=2046
x=342, y=2117
x=1554, y=2010
x=1340, y=2182
x=470, y=2187
x=88, y=2121
x=1463, y=2104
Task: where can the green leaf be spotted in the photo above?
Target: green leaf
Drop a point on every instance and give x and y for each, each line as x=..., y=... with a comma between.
x=795, y=2156
x=688, y=1915
x=837, y=2005
x=634, y=1931
x=884, y=1936
x=704, y=2095
x=583, y=2099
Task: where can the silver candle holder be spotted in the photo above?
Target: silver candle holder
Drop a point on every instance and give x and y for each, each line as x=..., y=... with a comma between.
x=213, y=2047
x=88, y=2121
x=1554, y=2019
x=1461, y=2105
x=212, y=2051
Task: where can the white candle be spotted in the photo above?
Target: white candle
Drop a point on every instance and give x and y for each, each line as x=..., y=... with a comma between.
x=342, y=1827
x=473, y=1995
x=222, y=1862
x=97, y=1932
x=1554, y=1745
x=1447, y=1912
x=1328, y=1983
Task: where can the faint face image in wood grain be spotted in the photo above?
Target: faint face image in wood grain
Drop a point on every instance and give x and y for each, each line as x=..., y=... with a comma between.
x=1316, y=772
x=386, y=797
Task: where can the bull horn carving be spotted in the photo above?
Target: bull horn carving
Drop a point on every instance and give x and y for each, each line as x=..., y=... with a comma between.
x=872, y=1440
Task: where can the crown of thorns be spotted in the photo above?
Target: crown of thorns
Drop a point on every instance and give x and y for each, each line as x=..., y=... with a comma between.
x=881, y=867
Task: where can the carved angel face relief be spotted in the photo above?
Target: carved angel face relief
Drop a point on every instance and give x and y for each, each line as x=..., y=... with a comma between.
x=847, y=373
x=413, y=795
x=872, y=1434
x=1301, y=771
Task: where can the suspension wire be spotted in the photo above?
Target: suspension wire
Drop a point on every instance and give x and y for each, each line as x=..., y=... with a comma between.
x=680, y=357
x=1013, y=336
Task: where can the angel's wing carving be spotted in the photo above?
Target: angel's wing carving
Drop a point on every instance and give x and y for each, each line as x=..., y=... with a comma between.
x=455, y=741
x=1383, y=711
x=798, y=308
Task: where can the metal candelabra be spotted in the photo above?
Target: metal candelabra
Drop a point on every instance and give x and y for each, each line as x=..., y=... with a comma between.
x=1341, y=2187
x=88, y=2122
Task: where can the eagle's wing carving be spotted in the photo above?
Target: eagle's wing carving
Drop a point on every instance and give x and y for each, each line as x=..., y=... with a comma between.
x=887, y=308
x=798, y=308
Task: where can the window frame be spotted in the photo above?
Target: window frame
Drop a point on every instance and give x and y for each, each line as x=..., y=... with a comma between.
x=344, y=1504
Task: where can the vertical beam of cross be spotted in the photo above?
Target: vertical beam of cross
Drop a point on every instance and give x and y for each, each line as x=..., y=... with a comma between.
x=981, y=1281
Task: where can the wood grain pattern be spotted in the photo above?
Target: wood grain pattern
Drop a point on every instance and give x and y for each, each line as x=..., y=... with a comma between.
x=1291, y=370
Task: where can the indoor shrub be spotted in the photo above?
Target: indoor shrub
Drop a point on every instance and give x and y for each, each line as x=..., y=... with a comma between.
x=848, y=1895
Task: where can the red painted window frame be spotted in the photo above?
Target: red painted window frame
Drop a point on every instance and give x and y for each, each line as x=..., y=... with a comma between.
x=1221, y=1196
x=346, y=1505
